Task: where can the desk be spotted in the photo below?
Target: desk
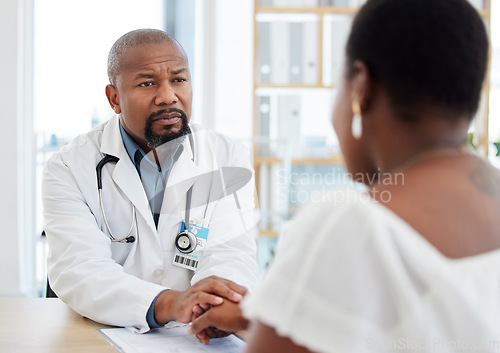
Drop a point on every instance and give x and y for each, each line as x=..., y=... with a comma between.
x=47, y=326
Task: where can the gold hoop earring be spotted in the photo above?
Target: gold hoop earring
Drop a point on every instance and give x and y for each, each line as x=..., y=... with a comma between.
x=357, y=124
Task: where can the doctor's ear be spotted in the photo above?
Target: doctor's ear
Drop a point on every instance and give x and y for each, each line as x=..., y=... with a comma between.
x=112, y=95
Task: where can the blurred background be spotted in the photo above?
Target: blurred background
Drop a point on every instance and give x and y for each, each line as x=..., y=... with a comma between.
x=264, y=72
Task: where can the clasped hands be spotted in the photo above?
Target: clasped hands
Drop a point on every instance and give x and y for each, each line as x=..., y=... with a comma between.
x=211, y=305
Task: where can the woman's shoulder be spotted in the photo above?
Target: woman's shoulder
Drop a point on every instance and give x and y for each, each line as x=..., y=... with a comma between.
x=328, y=204
x=336, y=216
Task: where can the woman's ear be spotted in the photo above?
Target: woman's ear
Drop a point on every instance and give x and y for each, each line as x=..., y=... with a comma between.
x=361, y=85
x=113, y=98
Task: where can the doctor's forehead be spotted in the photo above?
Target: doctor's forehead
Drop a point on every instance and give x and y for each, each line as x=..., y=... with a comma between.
x=165, y=57
x=141, y=47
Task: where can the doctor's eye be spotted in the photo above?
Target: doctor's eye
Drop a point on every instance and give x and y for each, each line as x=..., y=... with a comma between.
x=146, y=84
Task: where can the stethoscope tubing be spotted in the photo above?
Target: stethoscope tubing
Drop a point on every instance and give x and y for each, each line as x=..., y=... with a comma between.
x=127, y=238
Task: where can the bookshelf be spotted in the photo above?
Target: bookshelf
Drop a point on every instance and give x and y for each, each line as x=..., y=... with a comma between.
x=298, y=53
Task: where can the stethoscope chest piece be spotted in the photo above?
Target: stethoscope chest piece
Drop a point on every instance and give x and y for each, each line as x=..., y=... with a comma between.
x=185, y=242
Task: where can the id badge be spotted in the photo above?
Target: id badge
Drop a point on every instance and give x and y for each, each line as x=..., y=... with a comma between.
x=190, y=260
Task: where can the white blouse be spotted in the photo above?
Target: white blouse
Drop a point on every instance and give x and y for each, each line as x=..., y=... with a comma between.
x=357, y=278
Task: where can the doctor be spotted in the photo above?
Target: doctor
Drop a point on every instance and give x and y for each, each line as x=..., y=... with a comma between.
x=117, y=251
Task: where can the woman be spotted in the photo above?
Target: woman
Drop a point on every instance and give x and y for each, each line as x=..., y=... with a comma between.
x=413, y=264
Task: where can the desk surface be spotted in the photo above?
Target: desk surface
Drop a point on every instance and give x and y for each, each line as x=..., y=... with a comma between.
x=47, y=325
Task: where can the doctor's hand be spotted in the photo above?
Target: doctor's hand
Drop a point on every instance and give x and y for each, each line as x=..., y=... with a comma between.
x=217, y=321
x=175, y=305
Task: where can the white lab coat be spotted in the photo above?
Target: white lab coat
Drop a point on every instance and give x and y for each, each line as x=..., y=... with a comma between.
x=115, y=283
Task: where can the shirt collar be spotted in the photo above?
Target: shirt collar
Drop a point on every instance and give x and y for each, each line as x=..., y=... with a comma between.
x=137, y=154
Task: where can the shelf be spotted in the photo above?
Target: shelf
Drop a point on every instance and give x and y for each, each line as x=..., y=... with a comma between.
x=269, y=233
x=337, y=159
x=315, y=27
x=321, y=10
x=291, y=86
x=484, y=13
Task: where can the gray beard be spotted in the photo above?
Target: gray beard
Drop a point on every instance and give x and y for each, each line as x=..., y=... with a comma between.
x=172, y=139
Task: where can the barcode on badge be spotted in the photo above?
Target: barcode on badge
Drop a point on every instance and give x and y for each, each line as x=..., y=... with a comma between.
x=186, y=261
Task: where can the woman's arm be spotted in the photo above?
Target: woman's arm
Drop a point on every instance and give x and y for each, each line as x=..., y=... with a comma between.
x=217, y=321
x=264, y=339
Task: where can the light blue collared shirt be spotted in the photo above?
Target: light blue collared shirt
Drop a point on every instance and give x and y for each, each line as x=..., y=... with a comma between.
x=154, y=179
x=153, y=176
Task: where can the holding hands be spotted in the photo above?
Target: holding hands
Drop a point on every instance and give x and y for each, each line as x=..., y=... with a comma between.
x=212, y=305
x=174, y=305
x=217, y=321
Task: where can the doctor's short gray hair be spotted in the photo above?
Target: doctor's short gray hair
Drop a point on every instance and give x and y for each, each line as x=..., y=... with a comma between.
x=132, y=39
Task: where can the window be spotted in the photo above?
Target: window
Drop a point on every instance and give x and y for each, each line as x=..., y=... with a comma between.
x=72, y=41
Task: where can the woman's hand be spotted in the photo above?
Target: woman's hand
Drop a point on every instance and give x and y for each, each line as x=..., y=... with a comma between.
x=173, y=305
x=217, y=321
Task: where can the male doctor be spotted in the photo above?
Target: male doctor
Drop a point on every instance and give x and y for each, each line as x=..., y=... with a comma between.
x=148, y=216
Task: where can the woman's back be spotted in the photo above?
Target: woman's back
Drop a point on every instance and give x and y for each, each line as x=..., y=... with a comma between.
x=452, y=199
x=364, y=280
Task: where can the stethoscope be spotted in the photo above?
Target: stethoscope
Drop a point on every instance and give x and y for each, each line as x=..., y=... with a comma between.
x=127, y=238
x=185, y=241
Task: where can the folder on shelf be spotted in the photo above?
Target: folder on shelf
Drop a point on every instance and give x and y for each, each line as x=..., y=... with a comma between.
x=287, y=51
x=264, y=196
x=340, y=3
x=295, y=3
x=289, y=116
x=280, y=52
x=281, y=3
x=340, y=28
x=310, y=3
x=264, y=54
x=310, y=53
x=296, y=57
x=278, y=196
x=265, y=2
x=264, y=108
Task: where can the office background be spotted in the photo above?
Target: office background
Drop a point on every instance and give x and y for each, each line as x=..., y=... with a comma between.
x=53, y=70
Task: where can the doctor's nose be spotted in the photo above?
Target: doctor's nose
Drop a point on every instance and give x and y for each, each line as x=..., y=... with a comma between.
x=165, y=95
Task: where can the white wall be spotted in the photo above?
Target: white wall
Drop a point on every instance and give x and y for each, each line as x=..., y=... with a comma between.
x=224, y=66
x=233, y=59
x=17, y=252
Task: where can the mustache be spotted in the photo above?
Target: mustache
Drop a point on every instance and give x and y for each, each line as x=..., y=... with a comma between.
x=167, y=111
